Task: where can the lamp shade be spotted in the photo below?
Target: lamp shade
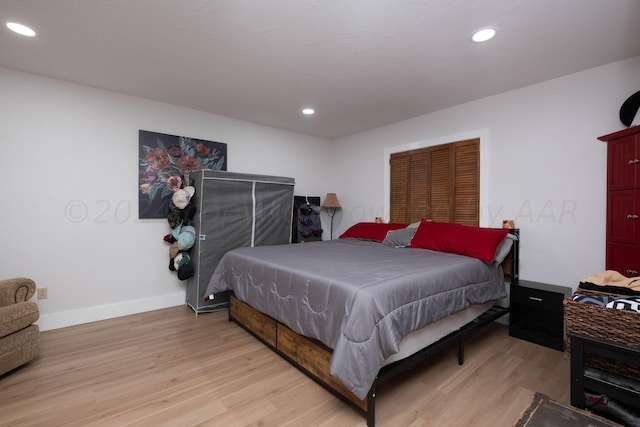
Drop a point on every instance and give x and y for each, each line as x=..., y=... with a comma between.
x=331, y=201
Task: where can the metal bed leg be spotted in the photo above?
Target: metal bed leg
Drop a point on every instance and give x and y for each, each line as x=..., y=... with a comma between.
x=460, y=350
x=371, y=407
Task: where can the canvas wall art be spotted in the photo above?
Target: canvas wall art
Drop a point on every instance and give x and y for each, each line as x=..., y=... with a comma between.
x=163, y=164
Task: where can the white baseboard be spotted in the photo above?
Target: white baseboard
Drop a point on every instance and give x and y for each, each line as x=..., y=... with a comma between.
x=108, y=311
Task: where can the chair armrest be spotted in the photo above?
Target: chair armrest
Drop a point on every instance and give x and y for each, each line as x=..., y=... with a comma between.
x=15, y=317
x=16, y=290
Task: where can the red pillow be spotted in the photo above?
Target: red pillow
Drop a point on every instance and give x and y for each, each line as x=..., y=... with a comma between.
x=459, y=239
x=370, y=230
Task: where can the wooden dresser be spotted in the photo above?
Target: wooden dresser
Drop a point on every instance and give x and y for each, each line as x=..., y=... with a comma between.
x=623, y=201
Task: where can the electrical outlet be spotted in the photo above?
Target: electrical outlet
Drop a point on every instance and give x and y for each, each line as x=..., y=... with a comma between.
x=42, y=293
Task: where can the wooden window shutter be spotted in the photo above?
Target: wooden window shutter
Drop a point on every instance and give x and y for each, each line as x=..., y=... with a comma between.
x=467, y=182
x=440, y=183
x=418, y=189
x=399, y=166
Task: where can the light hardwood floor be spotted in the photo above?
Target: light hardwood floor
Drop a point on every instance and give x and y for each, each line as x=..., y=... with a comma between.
x=172, y=368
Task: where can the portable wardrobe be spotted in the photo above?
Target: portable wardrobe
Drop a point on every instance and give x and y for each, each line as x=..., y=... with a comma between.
x=234, y=210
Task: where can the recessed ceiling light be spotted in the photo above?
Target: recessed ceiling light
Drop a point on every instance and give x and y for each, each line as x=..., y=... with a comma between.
x=308, y=111
x=483, y=35
x=21, y=29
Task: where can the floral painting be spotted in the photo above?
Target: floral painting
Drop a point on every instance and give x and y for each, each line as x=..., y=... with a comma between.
x=164, y=161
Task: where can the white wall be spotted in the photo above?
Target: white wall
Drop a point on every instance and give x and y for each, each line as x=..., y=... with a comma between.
x=547, y=170
x=69, y=192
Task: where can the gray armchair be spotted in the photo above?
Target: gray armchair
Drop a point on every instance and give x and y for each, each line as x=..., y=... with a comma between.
x=19, y=337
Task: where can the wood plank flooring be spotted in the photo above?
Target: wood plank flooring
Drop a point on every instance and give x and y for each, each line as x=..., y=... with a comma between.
x=172, y=368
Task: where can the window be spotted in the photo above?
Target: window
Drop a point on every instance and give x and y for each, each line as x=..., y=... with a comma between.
x=440, y=183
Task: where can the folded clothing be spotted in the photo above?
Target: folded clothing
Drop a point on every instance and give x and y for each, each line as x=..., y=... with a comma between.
x=618, y=302
x=620, y=290
x=613, y=278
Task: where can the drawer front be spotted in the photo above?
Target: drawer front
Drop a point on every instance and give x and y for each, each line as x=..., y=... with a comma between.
x=624, y=258
x=554, y=341
x=313, y=358
x=263, y=326
x=537, y=298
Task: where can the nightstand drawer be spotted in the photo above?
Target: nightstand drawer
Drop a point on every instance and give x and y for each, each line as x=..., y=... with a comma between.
x=536, y=297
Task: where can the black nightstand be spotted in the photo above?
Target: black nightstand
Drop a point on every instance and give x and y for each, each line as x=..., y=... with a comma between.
x=537, y=314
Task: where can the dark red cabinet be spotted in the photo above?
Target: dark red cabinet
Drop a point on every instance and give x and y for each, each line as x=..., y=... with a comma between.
x=623, y=201
x=622, y=161
x=623, y=258
x=623, y=208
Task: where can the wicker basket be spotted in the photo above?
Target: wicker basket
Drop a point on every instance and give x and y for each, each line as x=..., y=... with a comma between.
x=605, y=324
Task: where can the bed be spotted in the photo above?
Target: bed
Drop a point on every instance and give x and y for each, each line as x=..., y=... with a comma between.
x=354, y=311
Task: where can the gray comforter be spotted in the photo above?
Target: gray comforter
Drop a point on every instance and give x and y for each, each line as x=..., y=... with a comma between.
x=359, y=298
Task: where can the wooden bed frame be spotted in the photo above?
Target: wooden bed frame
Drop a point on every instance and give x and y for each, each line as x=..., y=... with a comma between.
x=312, y=357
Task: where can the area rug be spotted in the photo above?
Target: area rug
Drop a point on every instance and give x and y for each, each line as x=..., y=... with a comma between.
x=544, y=412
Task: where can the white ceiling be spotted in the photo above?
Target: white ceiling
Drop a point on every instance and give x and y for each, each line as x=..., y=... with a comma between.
x=360, y=63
